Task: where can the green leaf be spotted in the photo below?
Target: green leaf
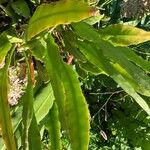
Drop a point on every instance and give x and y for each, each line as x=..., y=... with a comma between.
x=42, y=72
x=21, y=8
x=38, y=48
x=96, y=57
x=93, y=20
x=88, y=66
x=81, y=72
x=27, y=113
x=5, y=46
x=2, y=145
x=124, y=35
x=28, y=110
x=5, y=118
x=53, y=126
x=62, y=12
x=43, y=102
x=11, y=35
x=86, y=32
x=118, y=55
x=131, y=56
x=130, y=90
x=75, y=107
x=69, y=45
x=13, y=39
x=51, y=61
x=34, y=135
x=122, y=56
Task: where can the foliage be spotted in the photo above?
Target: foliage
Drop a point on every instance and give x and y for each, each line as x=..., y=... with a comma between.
x=116, y=121
x=57, y=47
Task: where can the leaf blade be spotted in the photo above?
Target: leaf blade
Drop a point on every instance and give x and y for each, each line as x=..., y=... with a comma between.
x=72, y=11
x=5, y=118
x=5, y=46
x=124, y=35
x=76, y=110
x=53, y=126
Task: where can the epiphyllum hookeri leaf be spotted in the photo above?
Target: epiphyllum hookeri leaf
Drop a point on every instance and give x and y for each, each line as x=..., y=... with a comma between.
x=28, y=109
x=75, y=107
x=121, y=76
x=53, y=127
x=124, y=35
x=34, y=138
x=43, y=102
x=125, y=57
x=5, y=118
x=61, y=12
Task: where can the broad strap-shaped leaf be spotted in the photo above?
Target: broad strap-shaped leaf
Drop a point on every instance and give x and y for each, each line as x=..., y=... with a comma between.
x=125, y=70
x=28, y=110
x=76, y=110
x=53, y=127
x=5, y=46
x=123, y=56
x=124, y=35
x=34, y=135
x=43, y=102
x=5, y=118
x=51, y=61
x=68, y=38
x=128, y=88
x=88, y=66
x=53, y=14
x=131, y=56
x=122, y=77
x=86, y=32
x=140, y=77
x=27, y=113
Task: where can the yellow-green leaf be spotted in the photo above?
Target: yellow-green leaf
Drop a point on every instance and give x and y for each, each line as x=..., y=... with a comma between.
x=75, y=107
x=5, y=118
x=5, y=46
x=43, y=102
x=34, y=135
x=53, y=14
x=53, y=126
x=124, y=35
x=122, y=77
x=28, y=110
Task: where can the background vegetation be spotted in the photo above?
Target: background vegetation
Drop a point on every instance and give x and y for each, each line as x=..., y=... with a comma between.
x=40, y=64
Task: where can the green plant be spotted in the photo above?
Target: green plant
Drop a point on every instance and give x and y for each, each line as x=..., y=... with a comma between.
x=46, y=40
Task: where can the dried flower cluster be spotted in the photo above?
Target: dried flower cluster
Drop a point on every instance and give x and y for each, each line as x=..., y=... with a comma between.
x=16, y=87
x=135, y=8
